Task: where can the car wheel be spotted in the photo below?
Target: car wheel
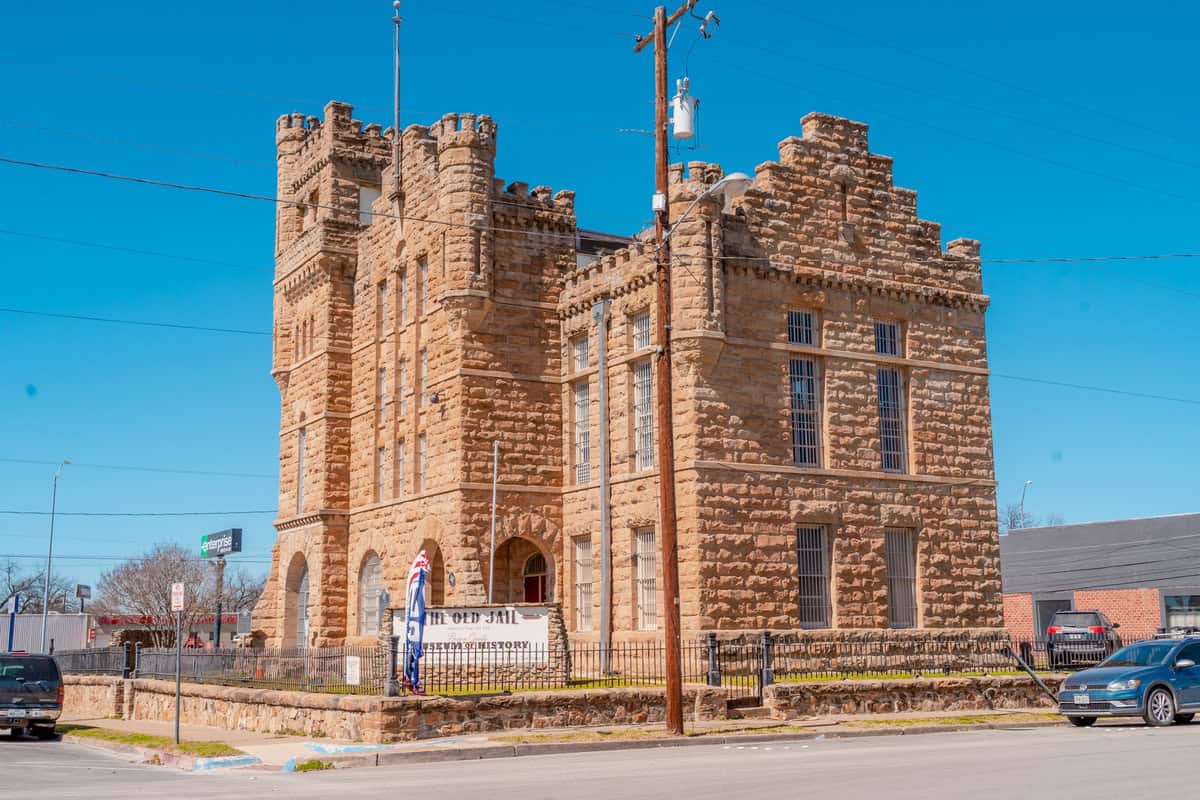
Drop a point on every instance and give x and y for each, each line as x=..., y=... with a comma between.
x=45, y=733
x=1160, y=708
x=16, y=732
x=1082, y=722
x=1184, y=719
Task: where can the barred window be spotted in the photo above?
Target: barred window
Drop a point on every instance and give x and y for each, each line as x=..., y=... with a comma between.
x=381, y=474
x=806, y=415
x=812, y=555
x=801, y=327
x=381, y=389
x=890, y=386
x=422, y=377
x=370, y=584
x=421, y=461
x=367, y=195
x=900, y=545
x=400, y=467
x=403, y=281
x=643, y=416
x=641, y=330
x=423, y=289
x=579, y=353
x=383, y=307
x=583, y=433
x=301, y=445
x=583, y=583
x=402, y=380
x=645, y=564
x=887, y=338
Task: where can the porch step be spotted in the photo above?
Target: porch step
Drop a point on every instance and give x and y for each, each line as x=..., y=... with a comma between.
x=749, y=712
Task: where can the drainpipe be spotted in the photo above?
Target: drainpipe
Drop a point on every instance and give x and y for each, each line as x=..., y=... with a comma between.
x=600, y=315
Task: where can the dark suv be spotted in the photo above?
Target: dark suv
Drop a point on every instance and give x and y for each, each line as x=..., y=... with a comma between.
x=1080, y=637
x=31, y=694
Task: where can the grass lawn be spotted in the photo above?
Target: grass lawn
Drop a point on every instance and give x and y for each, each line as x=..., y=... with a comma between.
x=312, y=765
x=896, y=676
x=199, y=749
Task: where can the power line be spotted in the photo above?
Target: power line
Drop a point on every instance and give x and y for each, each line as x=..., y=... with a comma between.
x=114, y=321
x=1106, y=389
x=138, y=513
x=135, y=251
x=42, y=557
x=78, y=464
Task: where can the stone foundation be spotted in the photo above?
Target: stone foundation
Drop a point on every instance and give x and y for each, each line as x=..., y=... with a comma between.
x=394, y=719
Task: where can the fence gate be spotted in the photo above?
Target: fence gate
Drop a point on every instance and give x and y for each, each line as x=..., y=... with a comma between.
x=742, y=669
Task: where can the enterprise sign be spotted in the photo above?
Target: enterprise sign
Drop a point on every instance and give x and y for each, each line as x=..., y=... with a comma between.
x=221, y=544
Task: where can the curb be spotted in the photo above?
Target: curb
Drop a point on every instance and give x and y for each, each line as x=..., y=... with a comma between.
x=383, y=759
x=164, y=758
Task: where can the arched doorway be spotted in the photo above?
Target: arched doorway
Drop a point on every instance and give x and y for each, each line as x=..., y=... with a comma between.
x=296, y=597
x=523, y=573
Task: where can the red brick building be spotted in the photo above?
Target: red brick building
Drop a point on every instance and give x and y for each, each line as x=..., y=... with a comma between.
x=1141, y=573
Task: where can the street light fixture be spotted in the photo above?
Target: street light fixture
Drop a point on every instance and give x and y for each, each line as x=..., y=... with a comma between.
x=1023, y=490
x=734, y=185
x=50, y=553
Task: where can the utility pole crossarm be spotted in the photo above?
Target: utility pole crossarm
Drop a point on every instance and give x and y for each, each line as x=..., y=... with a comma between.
x=676, y=14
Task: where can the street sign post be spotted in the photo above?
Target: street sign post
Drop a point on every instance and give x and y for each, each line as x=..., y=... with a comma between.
x=177, y=607
x=219, y=545
x=14, y=605
x=83, y=592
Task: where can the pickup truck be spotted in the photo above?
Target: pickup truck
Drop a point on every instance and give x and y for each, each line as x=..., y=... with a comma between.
x=31, y=694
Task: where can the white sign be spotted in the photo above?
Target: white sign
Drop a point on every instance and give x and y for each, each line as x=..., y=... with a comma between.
x=14, y=604
x=177, y=597
x=353, y=670
x=494, y=634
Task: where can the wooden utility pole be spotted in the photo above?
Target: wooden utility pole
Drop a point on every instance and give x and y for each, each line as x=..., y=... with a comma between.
x=665, y=432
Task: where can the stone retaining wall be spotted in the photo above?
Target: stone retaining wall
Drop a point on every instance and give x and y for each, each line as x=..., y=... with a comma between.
x=796, y=700
x=392, y=719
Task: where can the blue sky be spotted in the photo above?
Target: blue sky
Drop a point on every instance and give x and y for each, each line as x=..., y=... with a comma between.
x=1042, y=129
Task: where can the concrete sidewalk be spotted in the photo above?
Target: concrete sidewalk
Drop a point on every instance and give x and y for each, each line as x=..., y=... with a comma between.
x=282, y=752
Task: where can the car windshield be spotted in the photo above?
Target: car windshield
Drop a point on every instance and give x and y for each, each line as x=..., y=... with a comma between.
x=29, y=670
x=1075, y=620
x=1144, y=654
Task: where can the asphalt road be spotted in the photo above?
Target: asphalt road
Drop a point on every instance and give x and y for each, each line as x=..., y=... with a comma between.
x=1102, y=762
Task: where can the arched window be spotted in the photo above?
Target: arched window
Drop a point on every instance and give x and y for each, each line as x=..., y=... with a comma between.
x=302, y=610
x=370, y=584
x=535, y=578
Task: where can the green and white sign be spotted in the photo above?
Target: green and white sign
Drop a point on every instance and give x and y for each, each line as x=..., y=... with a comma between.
x=221, y=544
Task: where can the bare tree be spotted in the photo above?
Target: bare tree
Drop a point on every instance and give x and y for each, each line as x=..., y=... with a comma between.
x=30, y=586
x=142, y=587
x=1011, y=518
x=242, y=589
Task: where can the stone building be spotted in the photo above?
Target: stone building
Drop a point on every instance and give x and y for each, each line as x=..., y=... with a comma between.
x=833, y=427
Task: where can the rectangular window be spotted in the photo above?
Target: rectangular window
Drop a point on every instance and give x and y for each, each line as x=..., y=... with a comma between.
x=645, y=563
x=400, y=467
x=421, y=382
x=643, y=416
x=583, y=433
x=900, y=545
x=367, y=195
x=641, y=330
x=382, y=309
x=381, y=474
x=381, y=390
x=423, y=289
x=1181, y=610
x=403, y=281
x=402, y=380
x=301, y=445
x=806, y=414
x=890, y=387
x=579, y=353
x=887, y=339
x=422, y=455
x=801, y=327
x=583, y=583
x=812, y=556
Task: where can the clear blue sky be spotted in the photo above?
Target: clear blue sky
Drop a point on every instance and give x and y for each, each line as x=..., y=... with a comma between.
x=1041, y=129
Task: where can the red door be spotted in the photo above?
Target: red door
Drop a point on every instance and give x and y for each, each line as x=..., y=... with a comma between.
x=535, y=588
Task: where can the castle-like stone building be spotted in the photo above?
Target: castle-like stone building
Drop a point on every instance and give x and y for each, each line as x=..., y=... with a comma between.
x=833, y=429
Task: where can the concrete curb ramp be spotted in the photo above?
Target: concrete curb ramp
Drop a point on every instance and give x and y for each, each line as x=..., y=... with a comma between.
x=390, y=758
x=165, y=758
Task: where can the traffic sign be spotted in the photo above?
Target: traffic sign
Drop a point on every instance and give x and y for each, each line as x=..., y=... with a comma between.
x=177, y=597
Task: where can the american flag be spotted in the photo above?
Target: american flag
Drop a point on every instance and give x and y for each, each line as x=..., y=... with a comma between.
x=414, y=617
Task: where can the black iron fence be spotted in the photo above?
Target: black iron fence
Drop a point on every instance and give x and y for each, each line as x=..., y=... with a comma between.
x=338, y=670
x=96, y=661
x=741, y=667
